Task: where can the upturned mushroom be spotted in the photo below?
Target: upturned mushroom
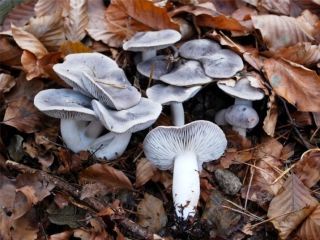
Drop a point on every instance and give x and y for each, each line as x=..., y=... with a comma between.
x=173, y=96
x=149, y=42
x=184, y=149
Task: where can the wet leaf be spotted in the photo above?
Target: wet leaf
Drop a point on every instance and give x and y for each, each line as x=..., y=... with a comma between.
x=310, y=228
x=106, y=175
x=126, y=17
x=23, y=115
x=307, y=168
x=151, y=213
x=291, y=206
x=298, y=85
x=77, y=20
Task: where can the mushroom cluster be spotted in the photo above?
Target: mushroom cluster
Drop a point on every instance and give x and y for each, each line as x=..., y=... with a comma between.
x=101, y=98
x=201, y=62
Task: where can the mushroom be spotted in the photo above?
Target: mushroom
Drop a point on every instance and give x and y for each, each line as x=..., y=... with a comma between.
x=220, y=118
x=198, y=48
x=149, y=42
x=79, y=126
x=184, y=149
x=155, y=67
x=242, y=91
x=241, y=117
x=173, y=96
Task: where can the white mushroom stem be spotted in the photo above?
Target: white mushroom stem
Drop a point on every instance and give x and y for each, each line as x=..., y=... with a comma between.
x=186, y=184
x=76, y=134
x=240, y=101
x=177, y=113
x=94, y=129
x=147, y=54
x=241, y=131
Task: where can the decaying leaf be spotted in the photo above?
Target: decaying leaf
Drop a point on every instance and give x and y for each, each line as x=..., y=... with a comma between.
x=77, y=20
x=308, y=167
x=310, y=229
x=23, y=115
x=47, y=7
x=291, y=206
x=145, y=171
x=270, y=121
x=151, y=213
x=126, y=17
x=10, y=53
x=298, y=85
x=106, y=175
x=6, y=82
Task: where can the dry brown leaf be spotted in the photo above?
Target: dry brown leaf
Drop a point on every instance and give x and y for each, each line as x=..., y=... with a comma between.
x=47, y=7
x=291, y=206
x=206, y=16
x=276, y=6
x=19, y=15
x=126, y=17
x=270, y=121
x=25, y=227
x=145, y=171
x=38, y=67
x=106, y=175
x=7, y=82
x=151, y=213
x=282, y=31
x=308, y=167
x=93, y=190
x=29, y=42
x=310, y=228
x=77, y=20
x=298, y=85
x=297, y=6
x=10, y=53
x=23, y=115
x=302, y=53
x=49, y=30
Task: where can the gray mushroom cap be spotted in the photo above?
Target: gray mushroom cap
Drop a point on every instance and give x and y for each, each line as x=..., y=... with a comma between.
x=187, y=73
x=156, y=66
x=166, y=94
x=164, y=143
x=65, y=104
x=72, y=68
x=242, y=116
x=197, y=48
x=113, y=89
x=242, y=89
x=134, y=119
x=157, y=40
x=222, y=64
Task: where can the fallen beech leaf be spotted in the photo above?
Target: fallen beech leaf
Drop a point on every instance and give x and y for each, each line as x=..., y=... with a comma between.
x=23, y=115
x=282, y=31
x=47, y=7
x=270, y=121
x=10, y=53
x=29, y=42
x=48, y=29
x=298, y=85
x=302, y=53
x=310, y=228
x=93, y=190
x=126, y=17
x=151, y=213
x=7, y=82
x=19, y=15
x=291, y=206
x=6, y=6
x=206, y=16
x=145, y=171
x=37, y=67
x=307, y=168
x=106, y=175
x=69, y=47
x=77, y=20
x=25, y=227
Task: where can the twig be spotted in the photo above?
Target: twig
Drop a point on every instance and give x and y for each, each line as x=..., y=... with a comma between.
x=95, y=205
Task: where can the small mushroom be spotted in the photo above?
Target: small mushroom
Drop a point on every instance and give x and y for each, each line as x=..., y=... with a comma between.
x=154, y=67
x=173, y=96
x=149, y=42
x=220, y=117
x=224, y=63
x=242, y=91
x=198, y=48
x=184, y=149
x=241, y=117
x=79, y=126
x=187, y=73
